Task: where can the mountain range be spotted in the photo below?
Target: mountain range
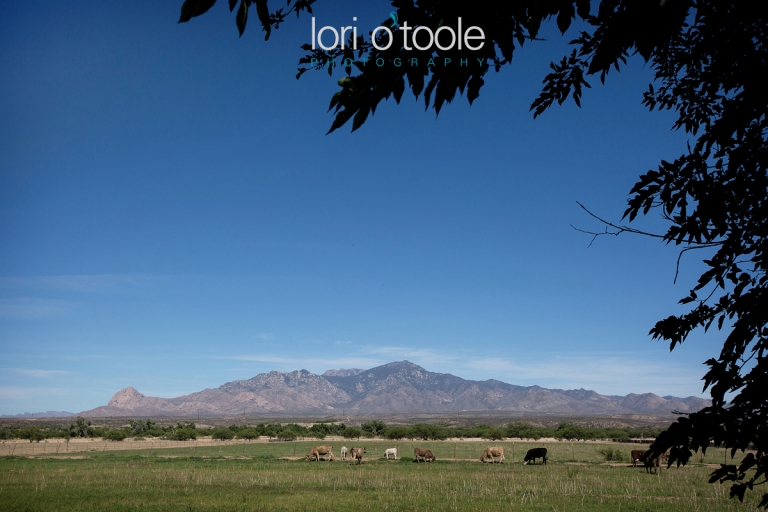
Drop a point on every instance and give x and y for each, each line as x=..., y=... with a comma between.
x=47, y=414
x=394, y=388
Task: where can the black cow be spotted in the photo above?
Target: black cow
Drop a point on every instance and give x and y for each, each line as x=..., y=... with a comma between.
x=535, y=453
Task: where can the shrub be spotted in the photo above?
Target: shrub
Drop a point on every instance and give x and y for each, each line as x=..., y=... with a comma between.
x=610, y=454
x=494, y=434
x=287, y=435
x=100, y=431
x=428, y=432
x=248, y=434
x=81, y=428
x=374, y=428
x=32, y=434
x=398, y=432
x=572, y=432
x=155, y=432
x=223, y=434
x=182, y=434
x=328, y=428
x=141, y=427
x=527, y=431
x=352, y=433
x=115, y=435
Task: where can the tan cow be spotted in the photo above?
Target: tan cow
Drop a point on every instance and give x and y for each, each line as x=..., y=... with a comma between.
x=320, y=451
x=490, y=453
x=357, y=454
x=423, y=453
x=636, y=456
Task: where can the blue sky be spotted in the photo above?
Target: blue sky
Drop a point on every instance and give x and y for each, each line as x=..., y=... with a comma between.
x=173, y=217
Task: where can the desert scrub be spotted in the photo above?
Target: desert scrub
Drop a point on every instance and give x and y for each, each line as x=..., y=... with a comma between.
x=612, y=454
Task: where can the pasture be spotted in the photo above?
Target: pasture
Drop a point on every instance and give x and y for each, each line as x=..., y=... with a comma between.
x=267, y=476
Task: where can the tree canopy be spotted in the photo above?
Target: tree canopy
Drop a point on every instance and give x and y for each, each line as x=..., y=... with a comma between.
x=709, y=59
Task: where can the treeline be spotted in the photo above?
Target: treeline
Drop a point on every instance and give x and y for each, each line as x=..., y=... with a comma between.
x=183, y=431
x=525, y=431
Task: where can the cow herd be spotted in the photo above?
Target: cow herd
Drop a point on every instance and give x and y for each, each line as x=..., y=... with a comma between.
x=491, y=454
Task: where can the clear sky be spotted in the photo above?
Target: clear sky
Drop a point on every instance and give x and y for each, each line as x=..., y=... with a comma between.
x=173, y=217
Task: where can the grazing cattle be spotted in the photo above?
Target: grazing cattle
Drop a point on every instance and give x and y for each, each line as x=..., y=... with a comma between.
x=636, y=456
x=535, y=453
x=320, y=451
x=423, y=453
x=490, y=453
x=357, y=454
x=343, y=453
x=390, y=451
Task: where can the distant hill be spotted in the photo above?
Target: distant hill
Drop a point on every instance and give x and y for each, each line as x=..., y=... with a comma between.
x=400, y=387
x=47, y=414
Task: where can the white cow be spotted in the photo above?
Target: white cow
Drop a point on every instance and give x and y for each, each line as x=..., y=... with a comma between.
x=390, y=451
x=343, y=453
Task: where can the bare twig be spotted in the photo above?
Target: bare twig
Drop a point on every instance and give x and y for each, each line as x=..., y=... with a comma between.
x=620, y=229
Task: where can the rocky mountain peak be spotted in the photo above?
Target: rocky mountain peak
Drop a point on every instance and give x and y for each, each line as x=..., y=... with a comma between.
x=127, y=398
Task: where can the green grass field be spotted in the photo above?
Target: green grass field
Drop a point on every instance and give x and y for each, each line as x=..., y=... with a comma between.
x=255, y=477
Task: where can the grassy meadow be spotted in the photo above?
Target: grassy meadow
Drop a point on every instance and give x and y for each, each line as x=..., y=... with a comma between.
x=265, y=476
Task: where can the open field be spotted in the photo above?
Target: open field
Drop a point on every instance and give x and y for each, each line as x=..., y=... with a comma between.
x=265, y=476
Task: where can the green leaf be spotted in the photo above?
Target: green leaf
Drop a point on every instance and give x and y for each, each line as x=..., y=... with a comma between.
x=242, y=15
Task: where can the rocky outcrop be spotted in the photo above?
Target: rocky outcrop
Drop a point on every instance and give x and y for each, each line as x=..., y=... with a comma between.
x=343, y=372
x=400, y=387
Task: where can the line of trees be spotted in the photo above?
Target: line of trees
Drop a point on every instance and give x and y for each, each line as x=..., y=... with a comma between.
x=184, y=431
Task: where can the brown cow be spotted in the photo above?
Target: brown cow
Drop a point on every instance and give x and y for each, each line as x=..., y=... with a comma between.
x=654, y=462
x=423, y=453
x=357, y=454
x=317, y=451
x=636, y=456
x=490, y=453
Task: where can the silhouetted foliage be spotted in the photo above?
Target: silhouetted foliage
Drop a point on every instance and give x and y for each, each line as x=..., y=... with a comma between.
x=709, y=59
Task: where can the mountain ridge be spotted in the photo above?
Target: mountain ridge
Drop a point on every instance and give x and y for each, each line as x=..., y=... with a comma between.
x=392, y=388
